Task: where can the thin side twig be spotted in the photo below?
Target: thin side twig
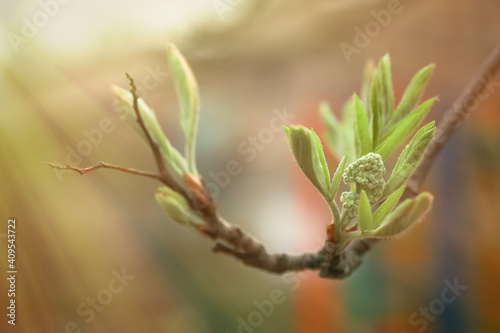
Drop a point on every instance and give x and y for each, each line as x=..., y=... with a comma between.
x=104, y=165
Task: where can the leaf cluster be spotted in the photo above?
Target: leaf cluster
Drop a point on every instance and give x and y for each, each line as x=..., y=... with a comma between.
x=370, y=132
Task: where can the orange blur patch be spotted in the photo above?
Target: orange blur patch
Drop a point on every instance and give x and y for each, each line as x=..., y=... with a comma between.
x=317, y=306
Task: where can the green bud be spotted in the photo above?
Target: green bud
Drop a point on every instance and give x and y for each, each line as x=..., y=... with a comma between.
x=367, y=172
x=350, y=203
x=176, y=206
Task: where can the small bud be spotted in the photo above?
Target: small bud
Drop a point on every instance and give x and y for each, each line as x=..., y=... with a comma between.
x=203, y=201
x=330, y=232
x=350, y=202
x=176, y=206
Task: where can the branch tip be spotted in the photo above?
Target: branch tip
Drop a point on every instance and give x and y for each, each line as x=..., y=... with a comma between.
x=133, y=87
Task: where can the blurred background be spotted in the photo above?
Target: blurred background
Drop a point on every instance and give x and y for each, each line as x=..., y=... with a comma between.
x=95, y=253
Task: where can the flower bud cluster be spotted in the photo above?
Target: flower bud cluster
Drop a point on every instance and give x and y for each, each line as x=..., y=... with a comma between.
x=367, y=172
x=350, y=202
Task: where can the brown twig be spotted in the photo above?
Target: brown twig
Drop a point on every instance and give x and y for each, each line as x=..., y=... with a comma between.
x=105, y=165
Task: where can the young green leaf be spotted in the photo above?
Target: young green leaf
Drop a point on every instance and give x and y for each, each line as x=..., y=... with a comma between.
x=363, y=128
x=387, y=206
x=365, y=218
x=412, y=94
x=188, y=97
x=423, y=203
x=410, y=158
x=368, y=76
x=320, y=159
x=308, y=151
x=174, y=161
x=387, y=92
x=414, y=151
x=382, y=98
x=334, y=133
x=405, y=215
x=377, y=124
x=348, y=126
x=334, y=185
x=398, y=178
x=403, y=130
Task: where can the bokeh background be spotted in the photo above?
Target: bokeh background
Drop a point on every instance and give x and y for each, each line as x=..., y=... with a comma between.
x=252, y=59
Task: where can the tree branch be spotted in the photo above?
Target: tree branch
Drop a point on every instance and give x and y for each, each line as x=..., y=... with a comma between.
x=331, y=261
x=252, y=252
